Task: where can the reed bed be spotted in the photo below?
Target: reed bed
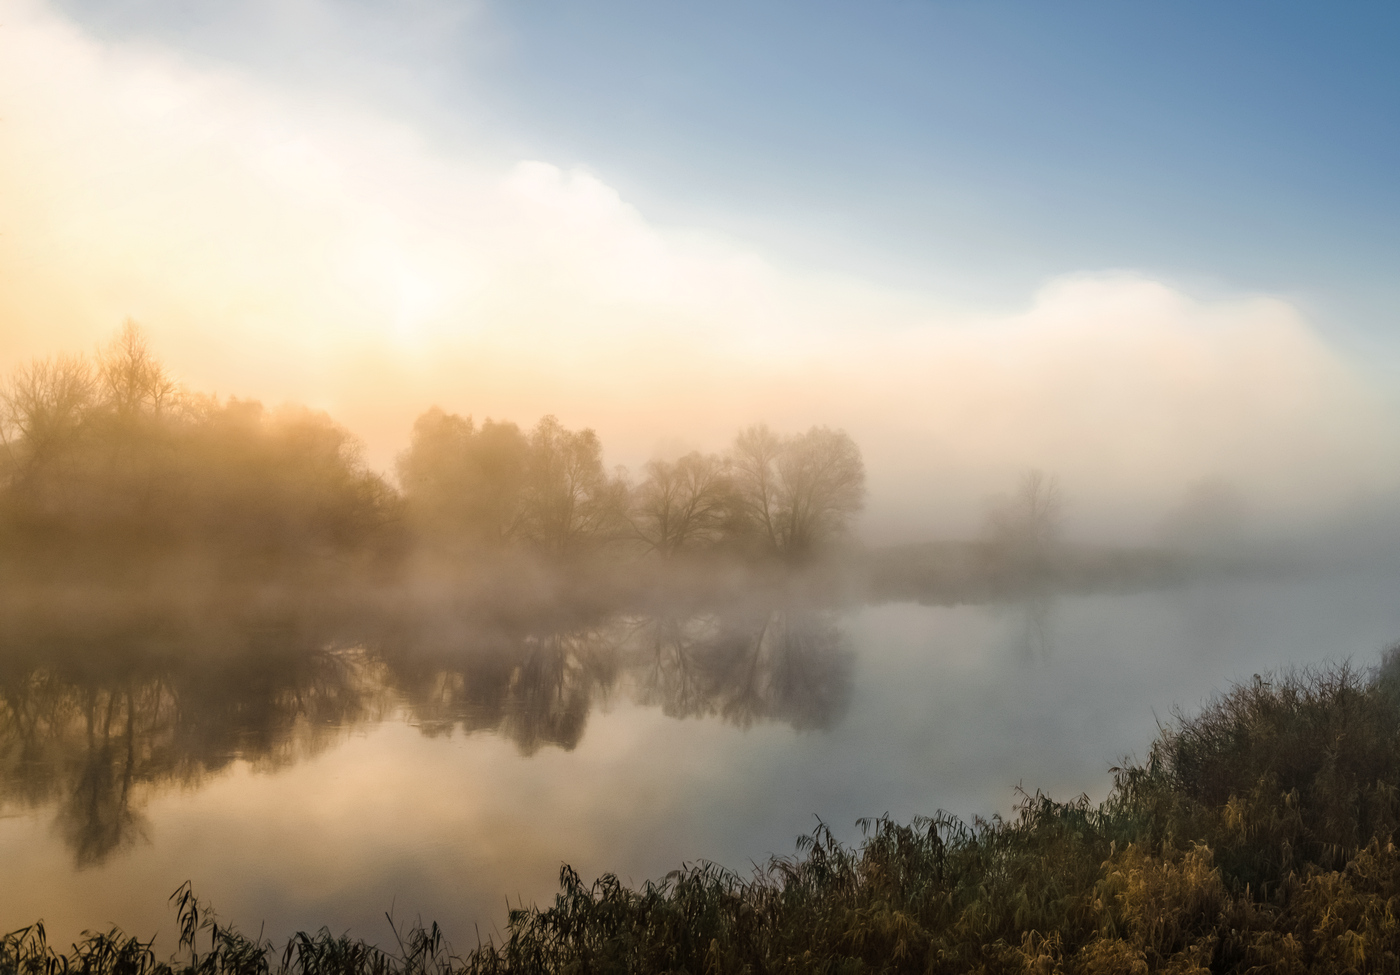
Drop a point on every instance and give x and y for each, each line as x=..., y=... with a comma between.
x=1257, y=836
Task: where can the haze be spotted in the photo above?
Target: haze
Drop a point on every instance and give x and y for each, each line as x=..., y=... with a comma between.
x=446, y=440
x=282, y=233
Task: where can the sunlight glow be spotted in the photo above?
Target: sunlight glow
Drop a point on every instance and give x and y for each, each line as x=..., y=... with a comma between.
x=294, y=250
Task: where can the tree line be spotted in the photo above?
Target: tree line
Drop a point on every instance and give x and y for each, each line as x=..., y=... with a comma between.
x=493, y=484
x=109, y=452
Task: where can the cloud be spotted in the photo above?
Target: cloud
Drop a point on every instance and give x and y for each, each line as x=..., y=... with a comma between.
x=291, y=246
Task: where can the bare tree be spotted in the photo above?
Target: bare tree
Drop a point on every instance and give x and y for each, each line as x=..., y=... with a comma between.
x=132, y=382
x=1026, y=528
x=43, y=407
x=684, y=503
x=569, y=499
x=754, y=458
x=799, y=491
x=824, y=481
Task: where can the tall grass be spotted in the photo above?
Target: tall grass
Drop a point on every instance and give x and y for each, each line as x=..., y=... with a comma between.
x=1256, y=837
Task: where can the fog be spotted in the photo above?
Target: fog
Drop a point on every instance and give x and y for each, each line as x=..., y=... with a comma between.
x=294, y=249
x=422, y=515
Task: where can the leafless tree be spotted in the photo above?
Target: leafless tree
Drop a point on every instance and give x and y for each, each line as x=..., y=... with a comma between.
x=799, y=491
x=131, y=380
x=569, y=499
x=44, y=405
x=1026, y=527
x=684, y=503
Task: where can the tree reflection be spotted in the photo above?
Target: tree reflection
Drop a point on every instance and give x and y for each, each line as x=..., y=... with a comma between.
x=98, y=712
x=789, y=665
x=93, y=716
x=534, y=689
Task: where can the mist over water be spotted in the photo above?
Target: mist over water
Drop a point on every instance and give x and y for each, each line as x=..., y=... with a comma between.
x=234, y=654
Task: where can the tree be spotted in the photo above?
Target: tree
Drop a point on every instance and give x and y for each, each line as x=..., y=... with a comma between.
x=463, y=482
x=1025, y=529
x=798, y=491
x=684, y=503
x=112, y=458
x=494, y=484
x=130, y=378
x=43, y=407
x=569, y=500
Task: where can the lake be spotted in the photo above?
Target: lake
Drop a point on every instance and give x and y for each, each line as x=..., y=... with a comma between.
x=303, y=774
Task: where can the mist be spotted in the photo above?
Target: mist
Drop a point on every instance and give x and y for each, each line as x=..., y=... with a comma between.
x=395, y=514
x=289, y=248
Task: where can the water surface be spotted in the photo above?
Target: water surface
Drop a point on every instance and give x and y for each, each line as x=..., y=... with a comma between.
x=303, y=773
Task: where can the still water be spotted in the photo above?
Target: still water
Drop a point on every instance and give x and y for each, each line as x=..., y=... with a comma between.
x=302, y=778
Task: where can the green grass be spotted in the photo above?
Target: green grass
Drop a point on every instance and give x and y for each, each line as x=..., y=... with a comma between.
x=1257, y=836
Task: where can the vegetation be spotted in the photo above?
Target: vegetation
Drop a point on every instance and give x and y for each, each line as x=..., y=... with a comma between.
x=109, y=468
x=1258, y=836
x=107, y=460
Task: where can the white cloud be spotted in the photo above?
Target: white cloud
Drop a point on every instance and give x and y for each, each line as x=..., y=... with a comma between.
x=289, y=247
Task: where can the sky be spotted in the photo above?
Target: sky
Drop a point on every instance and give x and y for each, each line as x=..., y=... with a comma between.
x=1144, y=247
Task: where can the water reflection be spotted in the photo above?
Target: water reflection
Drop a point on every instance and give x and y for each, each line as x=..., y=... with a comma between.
x=94, y=742
x=774, y=665
x=1033, y=627
x=536, y=689
x=787, y=663
x=99, y=714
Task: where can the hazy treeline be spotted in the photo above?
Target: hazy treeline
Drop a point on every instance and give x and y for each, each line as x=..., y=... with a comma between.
x=110, y=455
x=1022, y=554
x=1258, y=836
x=495, y=484
x=102, y=705
x=108, y=465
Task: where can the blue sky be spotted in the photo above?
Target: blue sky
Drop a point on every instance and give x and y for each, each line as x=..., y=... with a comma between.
x=975, y=149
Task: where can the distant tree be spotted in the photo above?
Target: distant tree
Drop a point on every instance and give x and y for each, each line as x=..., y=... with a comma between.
x=824, y=480
x=463, y=482
x=494, y=484
x=44, y=406
x=754, y=459
x=798, y=491
x=113, y=457
x=684, y=503
x=317, y=485
x=130, y=379
x=569, y=499
x=1025, y=528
